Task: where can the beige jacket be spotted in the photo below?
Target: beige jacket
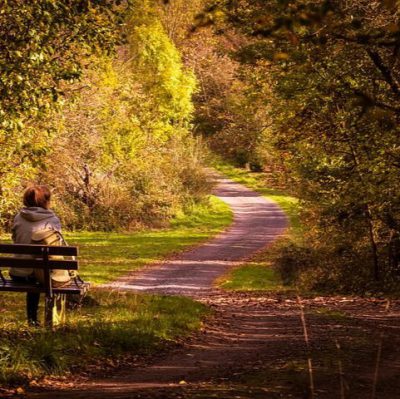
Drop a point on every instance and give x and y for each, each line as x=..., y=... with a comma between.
x=28, y=221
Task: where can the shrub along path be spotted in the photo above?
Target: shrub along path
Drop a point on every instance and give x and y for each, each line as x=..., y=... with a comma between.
x=254, y=345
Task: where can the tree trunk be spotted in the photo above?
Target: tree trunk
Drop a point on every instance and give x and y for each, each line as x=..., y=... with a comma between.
x=374, y=247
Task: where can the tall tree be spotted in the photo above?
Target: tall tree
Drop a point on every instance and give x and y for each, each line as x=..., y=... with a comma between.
x=44, y=45
x=329, y=72
x=123, y=155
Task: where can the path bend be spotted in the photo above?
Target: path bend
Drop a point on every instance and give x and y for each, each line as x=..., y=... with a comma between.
x=257, y=222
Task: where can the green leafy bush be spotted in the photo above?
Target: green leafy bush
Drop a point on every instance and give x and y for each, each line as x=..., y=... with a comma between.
x=120, y=154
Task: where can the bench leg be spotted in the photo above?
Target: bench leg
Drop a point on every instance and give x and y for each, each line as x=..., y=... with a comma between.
x=48, y=311
x=55, y=310
x=59, y=310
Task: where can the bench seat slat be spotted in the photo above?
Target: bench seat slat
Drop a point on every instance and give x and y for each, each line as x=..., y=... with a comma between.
x=72, y=288
x=28, y=249
x=38, y=263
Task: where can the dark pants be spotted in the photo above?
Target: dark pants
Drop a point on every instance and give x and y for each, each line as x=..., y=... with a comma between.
x=32, y=299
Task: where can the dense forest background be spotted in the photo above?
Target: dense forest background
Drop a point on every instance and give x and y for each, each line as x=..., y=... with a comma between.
x=98, y=103
x=116, y=104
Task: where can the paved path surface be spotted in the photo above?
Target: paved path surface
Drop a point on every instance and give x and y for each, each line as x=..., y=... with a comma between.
x=257, y=222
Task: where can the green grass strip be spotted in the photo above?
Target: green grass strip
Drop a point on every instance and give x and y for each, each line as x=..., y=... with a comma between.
x=114, y=324
x=252, y=277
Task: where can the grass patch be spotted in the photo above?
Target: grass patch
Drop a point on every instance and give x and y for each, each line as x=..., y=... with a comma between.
x=252, y=276
x=256, y=275
x=120, y=323
x=330, y=314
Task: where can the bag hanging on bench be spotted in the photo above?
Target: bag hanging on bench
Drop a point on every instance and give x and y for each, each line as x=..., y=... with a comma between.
x=49, y=236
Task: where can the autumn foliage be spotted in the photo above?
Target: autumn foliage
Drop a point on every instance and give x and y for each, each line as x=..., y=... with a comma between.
x=109, y=101
x=326, y=75
x=96, y=102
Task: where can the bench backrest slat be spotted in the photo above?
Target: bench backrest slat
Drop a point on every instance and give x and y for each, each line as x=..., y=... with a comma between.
x=42, y=257
x=38, y=263
x=37, y=250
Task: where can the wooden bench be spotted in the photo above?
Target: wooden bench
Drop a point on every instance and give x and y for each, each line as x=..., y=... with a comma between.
x=42, y=257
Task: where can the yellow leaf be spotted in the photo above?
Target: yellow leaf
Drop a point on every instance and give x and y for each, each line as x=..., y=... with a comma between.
x=281, y=56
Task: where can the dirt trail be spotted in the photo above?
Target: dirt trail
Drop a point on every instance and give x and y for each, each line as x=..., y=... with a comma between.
x=253, y=347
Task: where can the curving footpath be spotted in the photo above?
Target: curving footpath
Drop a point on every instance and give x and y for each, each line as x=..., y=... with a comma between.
x=253, y=346
x=244, y=332
x=257, y=222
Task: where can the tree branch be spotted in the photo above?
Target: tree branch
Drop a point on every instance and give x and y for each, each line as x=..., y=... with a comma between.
x=385, y=71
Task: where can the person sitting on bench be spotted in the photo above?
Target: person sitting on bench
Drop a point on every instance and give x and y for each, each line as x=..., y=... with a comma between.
x=34, y=216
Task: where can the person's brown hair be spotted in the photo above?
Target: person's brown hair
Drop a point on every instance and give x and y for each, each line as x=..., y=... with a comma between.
x=37, y=196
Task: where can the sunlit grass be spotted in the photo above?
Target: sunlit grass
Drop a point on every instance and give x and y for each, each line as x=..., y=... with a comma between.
x=258, y=274
x=253, y=276
x=118, y=324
